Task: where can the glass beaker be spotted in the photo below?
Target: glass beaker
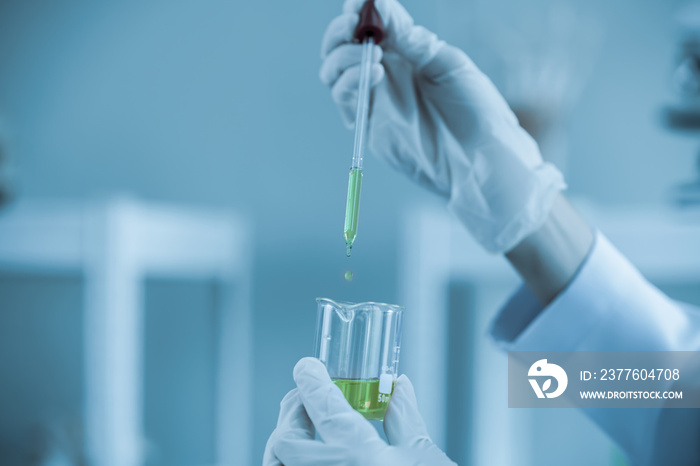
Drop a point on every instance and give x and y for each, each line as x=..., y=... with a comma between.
x=359, y=344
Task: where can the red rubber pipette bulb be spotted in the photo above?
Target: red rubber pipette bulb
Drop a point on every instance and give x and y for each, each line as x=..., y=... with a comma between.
x=370, y=24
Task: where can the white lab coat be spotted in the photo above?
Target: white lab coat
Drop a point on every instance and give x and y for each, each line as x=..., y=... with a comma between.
x=610, y=306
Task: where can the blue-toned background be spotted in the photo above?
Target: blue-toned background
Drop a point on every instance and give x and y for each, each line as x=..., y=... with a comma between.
x=218, y=104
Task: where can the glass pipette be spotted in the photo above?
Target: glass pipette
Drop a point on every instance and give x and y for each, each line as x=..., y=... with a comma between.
x=369, y=32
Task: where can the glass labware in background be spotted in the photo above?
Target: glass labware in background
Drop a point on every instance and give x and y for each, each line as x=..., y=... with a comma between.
x=360, y=344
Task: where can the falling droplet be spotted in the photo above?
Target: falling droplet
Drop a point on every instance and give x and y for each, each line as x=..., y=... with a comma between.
x=349, y=275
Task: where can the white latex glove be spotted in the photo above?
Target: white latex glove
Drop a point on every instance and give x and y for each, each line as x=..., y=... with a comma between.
x=346, y=438
x=441, y=121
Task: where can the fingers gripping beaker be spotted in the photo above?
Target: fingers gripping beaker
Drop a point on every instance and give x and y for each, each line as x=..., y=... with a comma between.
x=359, y=344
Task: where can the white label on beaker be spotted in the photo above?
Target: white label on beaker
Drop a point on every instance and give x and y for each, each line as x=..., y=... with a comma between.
x=385, y=383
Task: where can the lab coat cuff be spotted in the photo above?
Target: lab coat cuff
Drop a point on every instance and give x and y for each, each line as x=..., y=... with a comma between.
x=524, y=324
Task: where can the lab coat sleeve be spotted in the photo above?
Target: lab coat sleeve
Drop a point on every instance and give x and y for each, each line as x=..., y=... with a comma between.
x=610, y=306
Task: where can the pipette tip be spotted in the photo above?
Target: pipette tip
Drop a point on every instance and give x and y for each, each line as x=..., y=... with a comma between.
x=348, y=250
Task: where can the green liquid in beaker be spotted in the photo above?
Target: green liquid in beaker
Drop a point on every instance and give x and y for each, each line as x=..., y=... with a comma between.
x=352, y=208
x=364, y=397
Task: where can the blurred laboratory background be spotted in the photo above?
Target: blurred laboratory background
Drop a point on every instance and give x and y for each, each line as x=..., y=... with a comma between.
x=173, y=184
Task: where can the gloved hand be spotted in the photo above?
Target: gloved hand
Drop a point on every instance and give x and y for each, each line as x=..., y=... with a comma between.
x=347, y=438
x=438, y=119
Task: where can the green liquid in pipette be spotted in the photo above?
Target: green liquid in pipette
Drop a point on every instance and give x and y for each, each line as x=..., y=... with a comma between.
x=364, y=397
x=352, y=209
